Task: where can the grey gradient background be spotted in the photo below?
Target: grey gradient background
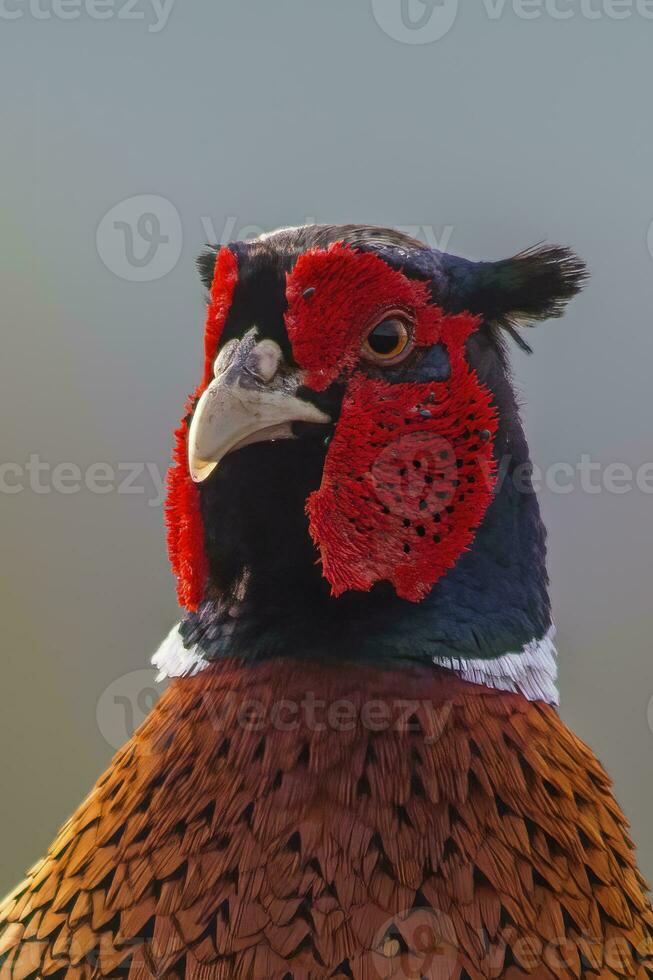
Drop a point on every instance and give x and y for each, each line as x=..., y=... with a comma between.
x=256, y=112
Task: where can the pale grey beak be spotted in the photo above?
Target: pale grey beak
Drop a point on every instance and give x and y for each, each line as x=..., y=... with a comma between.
x=252, y=398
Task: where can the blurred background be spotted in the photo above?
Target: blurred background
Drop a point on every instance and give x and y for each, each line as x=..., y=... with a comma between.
x=134, y=132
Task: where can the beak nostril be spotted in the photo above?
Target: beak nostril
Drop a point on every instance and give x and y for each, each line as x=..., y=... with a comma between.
x=264, y=360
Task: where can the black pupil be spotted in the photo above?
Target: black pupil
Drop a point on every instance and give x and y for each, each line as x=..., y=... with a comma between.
x=385, y=338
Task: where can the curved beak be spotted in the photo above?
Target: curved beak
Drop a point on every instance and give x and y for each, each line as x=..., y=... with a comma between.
x=252, y=398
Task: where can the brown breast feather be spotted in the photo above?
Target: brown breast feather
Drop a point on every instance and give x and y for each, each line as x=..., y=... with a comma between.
x=458, y=833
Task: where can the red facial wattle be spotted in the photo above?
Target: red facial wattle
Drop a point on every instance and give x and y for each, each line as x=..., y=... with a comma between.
x=333, y=294
x=410, y=471
x=183, y=517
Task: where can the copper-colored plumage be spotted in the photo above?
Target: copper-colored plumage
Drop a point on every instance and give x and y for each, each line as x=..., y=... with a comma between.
x=250, y=831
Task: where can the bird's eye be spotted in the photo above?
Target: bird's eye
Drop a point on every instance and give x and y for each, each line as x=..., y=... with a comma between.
x=389, y=341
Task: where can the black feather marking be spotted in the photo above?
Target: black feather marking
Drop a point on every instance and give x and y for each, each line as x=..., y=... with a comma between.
x=206, y=264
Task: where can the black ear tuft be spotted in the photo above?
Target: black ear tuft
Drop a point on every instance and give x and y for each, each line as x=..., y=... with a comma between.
x=206, y=264
x=534, y=285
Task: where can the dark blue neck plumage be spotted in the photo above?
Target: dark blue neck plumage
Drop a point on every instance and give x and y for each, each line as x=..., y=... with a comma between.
x=493, y=601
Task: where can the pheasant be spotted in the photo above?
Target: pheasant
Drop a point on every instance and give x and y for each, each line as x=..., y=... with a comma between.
x=357, y=769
